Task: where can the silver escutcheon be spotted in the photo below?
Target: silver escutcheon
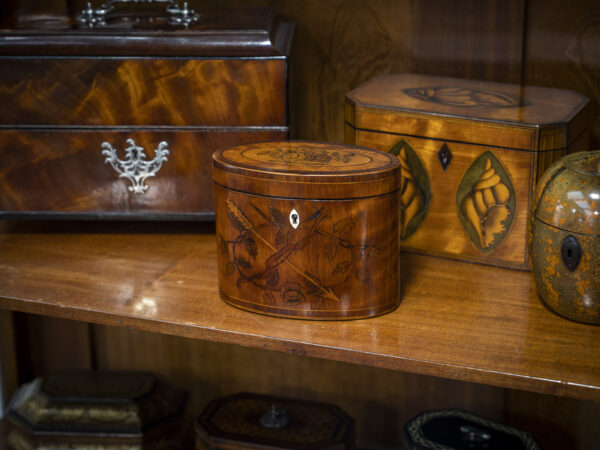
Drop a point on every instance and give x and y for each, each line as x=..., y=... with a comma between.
x=274, y=418
x=294, y=219
x=135, y=167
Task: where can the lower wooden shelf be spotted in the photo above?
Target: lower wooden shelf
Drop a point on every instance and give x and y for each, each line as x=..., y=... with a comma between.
x=3, y=434
x=456, y=320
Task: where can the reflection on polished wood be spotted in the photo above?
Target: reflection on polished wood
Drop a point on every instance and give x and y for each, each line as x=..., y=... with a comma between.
x=142, y=92
x=456, y=320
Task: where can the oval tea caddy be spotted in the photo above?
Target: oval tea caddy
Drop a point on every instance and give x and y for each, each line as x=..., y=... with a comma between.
x=308, y=230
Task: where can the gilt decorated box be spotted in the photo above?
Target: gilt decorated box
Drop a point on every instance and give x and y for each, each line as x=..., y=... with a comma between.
x=452, y=429
x=471, y=154
x=96, y=410
x=308, y=230
x=112, y=110
x=256, y=421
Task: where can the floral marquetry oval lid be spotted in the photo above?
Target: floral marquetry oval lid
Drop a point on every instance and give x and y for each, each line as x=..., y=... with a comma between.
x=306, y=170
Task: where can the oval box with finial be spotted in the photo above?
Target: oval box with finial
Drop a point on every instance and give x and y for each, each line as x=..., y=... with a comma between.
x=308, y=230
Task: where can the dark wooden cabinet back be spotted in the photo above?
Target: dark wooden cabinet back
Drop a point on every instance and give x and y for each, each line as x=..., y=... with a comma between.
x=338, y=45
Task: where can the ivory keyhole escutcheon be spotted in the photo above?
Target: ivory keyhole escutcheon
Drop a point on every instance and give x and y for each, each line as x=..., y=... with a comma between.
x=294, y=219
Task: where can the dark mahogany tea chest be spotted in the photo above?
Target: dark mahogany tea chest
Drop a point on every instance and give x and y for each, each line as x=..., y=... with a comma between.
x=308, y=230
x=113, y=111
x=471, y=152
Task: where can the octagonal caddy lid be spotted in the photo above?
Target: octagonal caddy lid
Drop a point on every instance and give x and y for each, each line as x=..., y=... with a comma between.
x=116, y=403
x=307, y=170
x=568, y=195
x=247, y=420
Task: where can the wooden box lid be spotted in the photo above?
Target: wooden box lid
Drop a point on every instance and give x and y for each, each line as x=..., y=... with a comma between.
x=88, y=406
x=447, y=108
x=308, y=170
x=247, y=420
x=137, y=29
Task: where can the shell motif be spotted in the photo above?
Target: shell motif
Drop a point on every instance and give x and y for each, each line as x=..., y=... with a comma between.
x=414, y=188
x=462, y=96
x=486, y=202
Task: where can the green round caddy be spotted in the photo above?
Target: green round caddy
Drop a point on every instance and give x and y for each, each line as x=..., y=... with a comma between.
x=564, y=237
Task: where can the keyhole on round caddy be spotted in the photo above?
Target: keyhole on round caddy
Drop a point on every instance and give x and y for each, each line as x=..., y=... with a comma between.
x=571, y=252
x=294, y=219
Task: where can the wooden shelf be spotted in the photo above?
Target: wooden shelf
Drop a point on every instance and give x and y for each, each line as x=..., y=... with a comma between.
x=456, y=320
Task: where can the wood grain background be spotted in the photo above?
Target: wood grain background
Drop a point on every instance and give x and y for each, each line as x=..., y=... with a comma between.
x=338, y=45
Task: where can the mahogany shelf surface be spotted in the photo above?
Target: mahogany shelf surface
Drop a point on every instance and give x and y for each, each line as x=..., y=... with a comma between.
x=455, y=320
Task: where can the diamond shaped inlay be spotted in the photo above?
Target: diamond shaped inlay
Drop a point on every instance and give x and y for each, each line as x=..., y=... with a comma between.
x=445, y=156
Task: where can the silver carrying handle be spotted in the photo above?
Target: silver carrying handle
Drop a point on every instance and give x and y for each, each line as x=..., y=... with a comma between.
x=183, y=15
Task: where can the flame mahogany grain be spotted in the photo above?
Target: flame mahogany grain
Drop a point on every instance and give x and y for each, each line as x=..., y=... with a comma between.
x=142, y=92
x=63, y=172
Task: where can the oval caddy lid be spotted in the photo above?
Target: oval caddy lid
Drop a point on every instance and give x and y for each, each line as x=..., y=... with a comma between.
x=310, y=170
x=568, y=195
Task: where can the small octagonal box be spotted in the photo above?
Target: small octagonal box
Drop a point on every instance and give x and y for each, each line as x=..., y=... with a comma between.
x=254, y=421
x=96, y=409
